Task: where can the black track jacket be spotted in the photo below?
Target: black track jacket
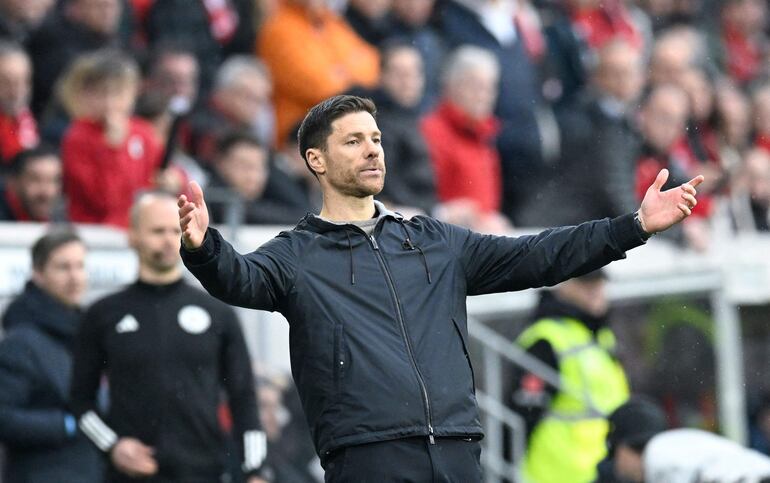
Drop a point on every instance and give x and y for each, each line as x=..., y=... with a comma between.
x=169, y=353
x=378, y=333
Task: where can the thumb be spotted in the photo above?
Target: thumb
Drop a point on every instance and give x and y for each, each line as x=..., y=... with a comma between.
x=196, y=194
x=660, y=180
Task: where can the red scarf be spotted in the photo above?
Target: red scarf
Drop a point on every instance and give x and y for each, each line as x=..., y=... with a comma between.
x=223, y=20
x=17, y=133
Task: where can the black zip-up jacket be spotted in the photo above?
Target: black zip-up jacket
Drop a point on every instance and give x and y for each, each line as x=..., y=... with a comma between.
x=169, y=353
x=378, y=333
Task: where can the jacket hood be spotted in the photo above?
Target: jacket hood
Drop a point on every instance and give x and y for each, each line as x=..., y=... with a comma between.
x=35, y=308
x=551, y=306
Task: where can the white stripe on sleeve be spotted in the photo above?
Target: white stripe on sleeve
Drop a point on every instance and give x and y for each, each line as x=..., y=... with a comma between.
x=97, y=431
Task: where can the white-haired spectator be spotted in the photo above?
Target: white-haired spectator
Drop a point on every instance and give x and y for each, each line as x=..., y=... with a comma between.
x=240, y=101
x=18, y=128
x=461, y=134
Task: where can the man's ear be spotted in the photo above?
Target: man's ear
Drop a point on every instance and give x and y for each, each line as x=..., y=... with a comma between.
x=316, y=160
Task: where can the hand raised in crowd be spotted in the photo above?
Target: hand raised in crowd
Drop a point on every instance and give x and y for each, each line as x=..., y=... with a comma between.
x=662, y=209
x=132, y=457
x=193, y=217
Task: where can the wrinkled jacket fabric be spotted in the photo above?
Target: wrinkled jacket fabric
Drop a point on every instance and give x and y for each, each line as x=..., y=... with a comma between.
x=378, y=333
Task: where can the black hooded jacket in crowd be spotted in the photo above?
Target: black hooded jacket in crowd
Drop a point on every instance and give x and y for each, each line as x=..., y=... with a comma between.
x=378, y=333
x=35, y=367
x=170, y=353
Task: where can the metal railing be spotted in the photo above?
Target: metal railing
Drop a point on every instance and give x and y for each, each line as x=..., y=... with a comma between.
x=496, y=350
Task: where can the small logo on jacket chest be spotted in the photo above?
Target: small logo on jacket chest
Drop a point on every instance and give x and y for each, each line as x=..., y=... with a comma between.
x=127, y=324
x=193, y=319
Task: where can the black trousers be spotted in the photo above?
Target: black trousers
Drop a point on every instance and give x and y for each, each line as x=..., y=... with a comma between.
x=410, y=460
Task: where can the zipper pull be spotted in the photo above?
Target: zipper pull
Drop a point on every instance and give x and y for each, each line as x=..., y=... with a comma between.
x=431, y=438
x=374, y=242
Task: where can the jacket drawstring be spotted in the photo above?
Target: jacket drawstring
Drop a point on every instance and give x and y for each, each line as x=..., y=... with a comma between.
x=352, y=268
x=408, y=245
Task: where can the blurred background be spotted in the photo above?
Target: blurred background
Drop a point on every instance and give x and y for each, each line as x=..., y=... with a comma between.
x=505, y=116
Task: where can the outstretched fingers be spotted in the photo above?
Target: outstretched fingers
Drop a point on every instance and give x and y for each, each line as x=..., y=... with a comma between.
x=696, y=180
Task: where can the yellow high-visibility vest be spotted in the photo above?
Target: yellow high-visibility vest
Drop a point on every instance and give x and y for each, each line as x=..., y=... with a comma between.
x=569, y=441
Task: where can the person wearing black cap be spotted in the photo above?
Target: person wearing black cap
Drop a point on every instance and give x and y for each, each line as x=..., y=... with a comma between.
x=632, y=426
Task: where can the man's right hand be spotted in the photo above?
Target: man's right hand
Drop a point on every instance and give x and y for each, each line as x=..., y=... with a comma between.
x=132, y=457
x=193, y=217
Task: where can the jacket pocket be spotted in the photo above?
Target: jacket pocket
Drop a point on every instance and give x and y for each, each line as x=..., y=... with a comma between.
x=465, y=351
x=340, y=357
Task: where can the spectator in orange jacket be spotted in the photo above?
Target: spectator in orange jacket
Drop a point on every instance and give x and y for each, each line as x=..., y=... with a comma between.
x=312, y=54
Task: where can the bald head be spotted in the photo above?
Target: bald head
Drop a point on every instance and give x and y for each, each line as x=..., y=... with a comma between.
x=155, y=236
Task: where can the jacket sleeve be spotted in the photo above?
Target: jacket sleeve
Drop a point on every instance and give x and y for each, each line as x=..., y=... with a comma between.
x=258, y=280
x=20, y=424
x=501, y=264
x=237, y=376
x=88, y=366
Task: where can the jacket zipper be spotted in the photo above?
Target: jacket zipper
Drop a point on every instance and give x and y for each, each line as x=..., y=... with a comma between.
x=402, y=326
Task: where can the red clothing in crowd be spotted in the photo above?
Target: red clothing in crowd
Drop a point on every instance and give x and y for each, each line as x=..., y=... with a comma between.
x=608, y=21
x=17, y=133
x=465, y=160
x=100, y=180
x=681, y=159
x=744, y=55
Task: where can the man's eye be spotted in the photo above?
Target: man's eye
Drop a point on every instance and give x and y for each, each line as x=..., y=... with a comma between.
x=377, y=140
x=352, y=141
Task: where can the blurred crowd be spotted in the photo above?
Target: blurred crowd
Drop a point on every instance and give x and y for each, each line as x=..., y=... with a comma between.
x=495, y=113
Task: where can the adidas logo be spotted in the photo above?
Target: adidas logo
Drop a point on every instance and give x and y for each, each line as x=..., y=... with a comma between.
x=127, y=324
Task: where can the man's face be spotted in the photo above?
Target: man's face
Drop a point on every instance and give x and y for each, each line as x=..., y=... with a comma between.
x=15, y=79
x=403, y=78
x=413, y=12
x=244, y=167
x=353, y=163
x=39, y=186
x=63, y=276
x=28, y=12
x=112, y=98
x=177, y=75
x=248, y=96
x=155, y=235
x=475, y=92
x=101, y=16
x=619, y=73
x=629, y=466
x=664, y=119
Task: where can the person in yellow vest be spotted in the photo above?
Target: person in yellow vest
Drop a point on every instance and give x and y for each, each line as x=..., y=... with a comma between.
x=567, y=424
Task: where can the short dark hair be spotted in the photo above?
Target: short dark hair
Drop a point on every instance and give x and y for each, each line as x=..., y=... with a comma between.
x=317, y=125
x=25, y=157
x=230, y=139
x=50, y=242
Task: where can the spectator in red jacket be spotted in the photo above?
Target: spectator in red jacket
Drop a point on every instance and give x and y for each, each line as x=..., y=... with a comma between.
x=461, y=137
x=108, y=154
x=744, y=42
x=32, y=190
x=18, y=129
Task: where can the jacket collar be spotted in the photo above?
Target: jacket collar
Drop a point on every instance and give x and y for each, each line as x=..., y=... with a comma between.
x=314, y=223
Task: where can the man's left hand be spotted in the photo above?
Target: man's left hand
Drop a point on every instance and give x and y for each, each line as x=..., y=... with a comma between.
x=662, y=209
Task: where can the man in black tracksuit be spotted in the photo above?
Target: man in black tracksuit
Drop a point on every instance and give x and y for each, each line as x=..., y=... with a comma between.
x=376, y=303
x=168, y=352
